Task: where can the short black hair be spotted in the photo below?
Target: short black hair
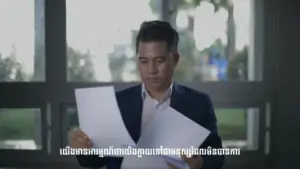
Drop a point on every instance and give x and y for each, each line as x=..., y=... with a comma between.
x=158, y=31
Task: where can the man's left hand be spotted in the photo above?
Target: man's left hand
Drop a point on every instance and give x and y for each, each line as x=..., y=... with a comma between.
x=195, y=162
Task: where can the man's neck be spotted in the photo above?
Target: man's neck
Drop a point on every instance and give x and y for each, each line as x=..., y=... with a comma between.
x=158, y=94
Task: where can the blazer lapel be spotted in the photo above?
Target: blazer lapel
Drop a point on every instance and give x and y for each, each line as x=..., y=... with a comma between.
x=132, y=113
x=177, y=98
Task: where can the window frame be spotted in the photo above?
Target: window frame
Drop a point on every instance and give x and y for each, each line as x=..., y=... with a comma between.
x=40, y=94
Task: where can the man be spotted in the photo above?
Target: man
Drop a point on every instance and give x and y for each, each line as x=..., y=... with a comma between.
x=157, y=57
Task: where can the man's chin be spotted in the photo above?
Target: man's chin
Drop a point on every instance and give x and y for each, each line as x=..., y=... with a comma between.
x=154, y=85
x=157, y=87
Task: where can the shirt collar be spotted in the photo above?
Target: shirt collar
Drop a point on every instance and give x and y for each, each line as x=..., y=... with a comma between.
x=166, y=96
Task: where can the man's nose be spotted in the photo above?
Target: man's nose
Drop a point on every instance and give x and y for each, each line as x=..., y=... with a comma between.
x=152, y=69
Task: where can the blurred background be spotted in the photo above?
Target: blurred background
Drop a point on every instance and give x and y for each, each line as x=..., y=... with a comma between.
x=229, y=49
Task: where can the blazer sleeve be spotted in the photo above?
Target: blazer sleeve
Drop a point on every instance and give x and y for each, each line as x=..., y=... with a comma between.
x=91, y=161
x=213, y=140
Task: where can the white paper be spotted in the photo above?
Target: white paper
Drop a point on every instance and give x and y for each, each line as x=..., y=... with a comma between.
x=145, y=162
x=100, y=117
x=172, y=129
x=169, y=129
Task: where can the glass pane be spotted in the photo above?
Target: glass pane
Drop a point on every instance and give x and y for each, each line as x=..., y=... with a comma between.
x=237, y=127
x=22, y=43
x=20, y=129
x=215, y=41
x=101, y=36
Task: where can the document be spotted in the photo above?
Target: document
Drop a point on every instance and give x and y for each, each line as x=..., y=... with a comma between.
x=100, y=118
x=145, y=162
x=171, y=129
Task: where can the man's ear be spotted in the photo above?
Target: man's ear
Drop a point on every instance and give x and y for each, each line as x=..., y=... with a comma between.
x=176, y=58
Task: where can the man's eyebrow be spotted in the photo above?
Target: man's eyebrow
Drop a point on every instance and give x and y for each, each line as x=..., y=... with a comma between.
x=156, y=57
x=142, y=57
x=160, y=57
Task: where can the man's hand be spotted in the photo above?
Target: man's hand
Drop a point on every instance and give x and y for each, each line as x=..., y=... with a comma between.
x=78, y=139
x=195, y=162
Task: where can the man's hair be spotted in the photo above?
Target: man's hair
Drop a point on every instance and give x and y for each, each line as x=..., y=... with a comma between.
x=158, y=31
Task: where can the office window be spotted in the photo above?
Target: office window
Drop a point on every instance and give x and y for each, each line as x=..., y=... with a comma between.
x=22, y=41
x=238, y=127
x=20, y=129
x=101, y=36
x=235, y=125
x=216, y=41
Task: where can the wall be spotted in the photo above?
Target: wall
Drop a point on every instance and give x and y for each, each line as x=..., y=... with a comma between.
x=285, y=119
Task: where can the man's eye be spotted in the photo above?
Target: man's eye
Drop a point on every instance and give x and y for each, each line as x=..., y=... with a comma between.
x=143, y=61
x=160, y=60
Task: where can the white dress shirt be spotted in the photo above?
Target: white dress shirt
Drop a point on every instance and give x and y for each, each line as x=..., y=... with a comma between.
x=152, y=106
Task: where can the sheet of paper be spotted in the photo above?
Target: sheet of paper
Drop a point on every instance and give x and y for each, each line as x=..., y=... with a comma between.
x=179, y=163
x=150, y=161
x=100, y=117
x=145, y=162
x=172, y=129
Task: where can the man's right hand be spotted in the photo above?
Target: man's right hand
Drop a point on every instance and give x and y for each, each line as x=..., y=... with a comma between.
x=78, y=139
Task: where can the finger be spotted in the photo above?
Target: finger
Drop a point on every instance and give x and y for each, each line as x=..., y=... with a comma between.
x=87, y=144
x=83, y=140
x=195, y=157
x=184, y=157
x=190, y=161
x=81, y=134
x=76, y=134
x=81, y=143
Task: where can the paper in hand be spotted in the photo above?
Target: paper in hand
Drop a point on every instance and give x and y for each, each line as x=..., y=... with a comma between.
x=100, y=117
x=171, y=129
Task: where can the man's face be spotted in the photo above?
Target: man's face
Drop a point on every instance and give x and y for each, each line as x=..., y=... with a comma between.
x=156, y=64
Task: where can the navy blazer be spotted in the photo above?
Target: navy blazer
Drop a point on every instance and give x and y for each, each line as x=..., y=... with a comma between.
x=193, y=104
